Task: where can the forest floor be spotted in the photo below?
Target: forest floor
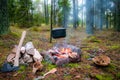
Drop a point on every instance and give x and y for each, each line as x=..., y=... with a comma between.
x=108, y=41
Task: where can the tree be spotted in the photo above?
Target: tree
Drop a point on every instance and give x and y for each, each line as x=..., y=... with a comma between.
x=89, y=16
x=38, y=13
x=64, y=10
x=51, y=21
x=101, y=14
x=12, y=7
x=75, y=13
x=46, y=11
x=117, y=27
x=106, y=13
x=4, y=19
x=23, y=13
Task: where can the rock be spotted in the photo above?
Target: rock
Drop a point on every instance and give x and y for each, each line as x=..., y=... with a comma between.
x=37, y=56
x=27, y=58
x=29, y=48
x=22, y=50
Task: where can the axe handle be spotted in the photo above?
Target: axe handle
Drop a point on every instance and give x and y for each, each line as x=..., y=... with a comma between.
x=16, y=61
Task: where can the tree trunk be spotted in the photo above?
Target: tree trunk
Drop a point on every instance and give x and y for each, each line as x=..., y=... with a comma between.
x=51, y=21
x=89, y=16
x=106, y=21
x=46, y=11
x=74, y=14
x=4, y=21
x=118, y=16
x=101, y=15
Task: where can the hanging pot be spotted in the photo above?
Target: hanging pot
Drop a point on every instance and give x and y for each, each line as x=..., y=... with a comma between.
x=58, y=33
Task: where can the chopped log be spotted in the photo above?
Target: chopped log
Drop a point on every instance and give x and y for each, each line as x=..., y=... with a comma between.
x=16, y=62
x=37, y=66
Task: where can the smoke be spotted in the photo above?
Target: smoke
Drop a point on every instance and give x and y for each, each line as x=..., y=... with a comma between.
x=96, y=13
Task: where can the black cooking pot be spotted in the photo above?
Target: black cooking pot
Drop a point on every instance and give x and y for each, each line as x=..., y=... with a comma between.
x=59, y=32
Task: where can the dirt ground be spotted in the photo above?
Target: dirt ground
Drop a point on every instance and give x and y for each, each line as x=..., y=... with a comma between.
x=105, y=42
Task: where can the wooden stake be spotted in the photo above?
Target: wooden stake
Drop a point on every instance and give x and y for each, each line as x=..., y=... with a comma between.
x=16, y=61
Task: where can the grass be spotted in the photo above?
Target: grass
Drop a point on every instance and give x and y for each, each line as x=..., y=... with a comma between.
x=40, y=28
x=93, y=39
x=40, y=38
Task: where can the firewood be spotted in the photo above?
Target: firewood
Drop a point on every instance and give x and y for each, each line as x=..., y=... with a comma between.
x=37, y=66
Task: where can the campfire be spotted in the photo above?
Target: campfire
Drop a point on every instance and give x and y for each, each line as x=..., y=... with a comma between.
x=62, y=54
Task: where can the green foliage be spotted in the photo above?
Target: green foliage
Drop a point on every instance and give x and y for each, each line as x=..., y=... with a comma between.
x=34, y=29
x=64, y=9
x=64, y=3
x=104, y=77
x=38, y=19
x=4, y=19
x=20, y=12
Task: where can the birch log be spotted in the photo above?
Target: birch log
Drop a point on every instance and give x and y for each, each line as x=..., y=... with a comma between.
x=16, y=61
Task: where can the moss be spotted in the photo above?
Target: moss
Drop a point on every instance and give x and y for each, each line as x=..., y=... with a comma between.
x=111, y=68
x=93, y=39
x=118, y=75
x=104, y=77
x=22, y=68
x=86, y=55
x=68, y=77
x=114, y=47
x=48, y=65
x=22, y=77
x=1, y=43
x=72, y=65
x=88, y=66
